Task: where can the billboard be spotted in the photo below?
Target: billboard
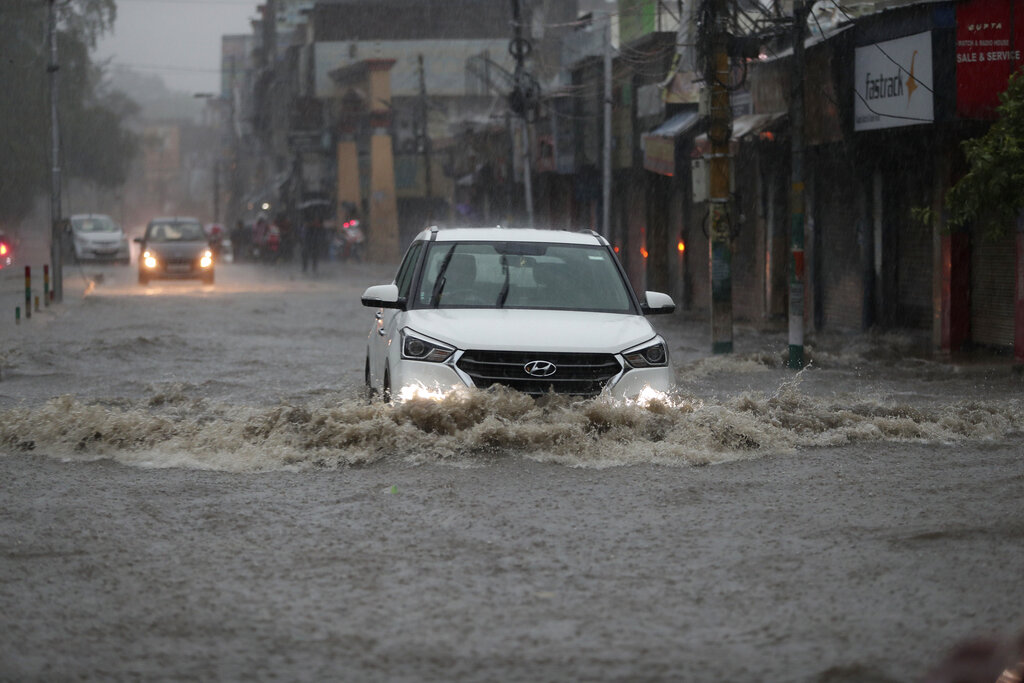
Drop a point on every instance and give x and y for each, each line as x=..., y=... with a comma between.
x=893, y=83
x=988, y=49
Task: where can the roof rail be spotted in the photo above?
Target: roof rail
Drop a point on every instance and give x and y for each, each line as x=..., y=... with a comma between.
x=596, y=234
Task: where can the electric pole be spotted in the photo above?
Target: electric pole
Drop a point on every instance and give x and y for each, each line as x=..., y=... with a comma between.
x=606, y=165
x=523, y=99
x=423, y=139
x=56, y=227
x=797, y=271
x=719, y=133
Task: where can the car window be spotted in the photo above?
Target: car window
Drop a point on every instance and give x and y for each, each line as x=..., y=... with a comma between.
x=94, y=224
x=521, y=275
x=406, y=270
x=175, y=231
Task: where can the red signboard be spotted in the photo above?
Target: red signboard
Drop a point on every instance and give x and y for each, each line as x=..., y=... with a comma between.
x=989, y=43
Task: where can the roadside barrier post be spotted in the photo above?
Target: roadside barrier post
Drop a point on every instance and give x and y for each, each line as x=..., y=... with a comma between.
x=46, y=284
x=28, y=292
x=17, y=315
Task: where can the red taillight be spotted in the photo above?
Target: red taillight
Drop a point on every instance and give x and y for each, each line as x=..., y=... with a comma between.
x=3, y=249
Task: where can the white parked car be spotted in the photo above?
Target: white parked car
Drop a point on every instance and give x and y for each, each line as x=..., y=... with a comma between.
x=96, y=237
x=534, y=310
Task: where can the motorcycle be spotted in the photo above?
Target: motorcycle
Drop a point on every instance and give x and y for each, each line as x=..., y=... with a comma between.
x=6, y=252
x=352, y=241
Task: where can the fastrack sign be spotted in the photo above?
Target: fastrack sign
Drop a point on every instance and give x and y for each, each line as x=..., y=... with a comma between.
x=989, y=41
x=893, y=83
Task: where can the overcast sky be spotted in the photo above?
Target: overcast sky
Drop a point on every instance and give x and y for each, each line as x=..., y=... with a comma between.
x=178, y=40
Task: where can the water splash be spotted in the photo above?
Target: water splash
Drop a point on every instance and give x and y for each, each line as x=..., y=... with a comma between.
x=173, y=428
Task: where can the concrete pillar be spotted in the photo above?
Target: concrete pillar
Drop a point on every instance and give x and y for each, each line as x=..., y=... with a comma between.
x=384, y=246
x=348, y=176
x=383, y=235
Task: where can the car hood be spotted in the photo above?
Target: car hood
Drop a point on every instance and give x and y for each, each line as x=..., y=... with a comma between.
x=531, y=330
x=177, y=249
x=105, y=237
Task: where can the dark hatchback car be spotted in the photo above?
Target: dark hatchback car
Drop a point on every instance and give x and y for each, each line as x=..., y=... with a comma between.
x=175, y=248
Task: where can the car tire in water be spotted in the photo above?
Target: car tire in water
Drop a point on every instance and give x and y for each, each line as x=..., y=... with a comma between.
x=386, y=391
x=370, y=391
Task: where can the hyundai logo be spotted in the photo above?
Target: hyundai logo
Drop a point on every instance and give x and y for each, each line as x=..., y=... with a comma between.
x=540, y=368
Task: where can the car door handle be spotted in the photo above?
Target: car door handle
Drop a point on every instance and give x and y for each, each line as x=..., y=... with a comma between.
x=378, y=315
x=381, y=332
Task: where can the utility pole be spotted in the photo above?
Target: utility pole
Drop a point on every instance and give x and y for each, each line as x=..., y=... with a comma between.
x=797, y=270
x=423, y=136
x=719, y=133
x=56, y=227
x=216, y=190
x=606, y=165
x=523, y=99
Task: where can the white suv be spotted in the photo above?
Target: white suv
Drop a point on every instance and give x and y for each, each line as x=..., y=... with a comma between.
x=534, y=310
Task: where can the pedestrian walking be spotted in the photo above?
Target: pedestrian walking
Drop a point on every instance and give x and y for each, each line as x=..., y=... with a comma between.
x=312, y=241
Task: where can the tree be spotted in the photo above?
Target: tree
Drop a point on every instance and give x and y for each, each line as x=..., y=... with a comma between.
x=97, y=147
x=989, y=194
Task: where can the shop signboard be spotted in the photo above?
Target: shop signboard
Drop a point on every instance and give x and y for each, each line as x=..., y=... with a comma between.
x=989, y=42
x=893, y=83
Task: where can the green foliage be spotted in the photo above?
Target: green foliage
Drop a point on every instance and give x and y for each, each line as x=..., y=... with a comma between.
x=990, y=194
x=95, y=145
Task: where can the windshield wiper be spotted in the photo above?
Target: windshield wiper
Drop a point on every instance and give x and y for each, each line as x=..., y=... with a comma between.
x=503, y=294
x=435, y=294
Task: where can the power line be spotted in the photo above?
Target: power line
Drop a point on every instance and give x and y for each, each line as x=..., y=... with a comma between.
x=165, y=67
x=237, y=3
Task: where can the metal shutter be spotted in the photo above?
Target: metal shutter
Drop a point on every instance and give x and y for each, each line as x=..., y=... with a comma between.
x=992, y=283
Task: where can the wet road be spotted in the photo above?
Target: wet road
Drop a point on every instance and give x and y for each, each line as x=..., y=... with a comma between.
x=193, y=486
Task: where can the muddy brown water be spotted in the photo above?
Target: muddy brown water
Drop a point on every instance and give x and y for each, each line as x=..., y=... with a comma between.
x=195, y=486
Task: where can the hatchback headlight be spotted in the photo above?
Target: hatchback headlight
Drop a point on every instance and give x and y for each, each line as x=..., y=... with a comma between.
x=207, y=260
x=149, y=259
x=416, y=347
x=652, y=355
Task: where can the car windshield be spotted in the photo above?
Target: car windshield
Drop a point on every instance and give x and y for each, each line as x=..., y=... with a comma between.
x=94, y=224
x=172, y=231
x=573, y=277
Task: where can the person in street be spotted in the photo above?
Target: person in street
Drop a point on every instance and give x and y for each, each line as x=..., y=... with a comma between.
x=287, y=237
x=238, y=241
x=312, y=241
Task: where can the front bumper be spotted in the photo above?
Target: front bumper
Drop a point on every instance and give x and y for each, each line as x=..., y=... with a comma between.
x=627, y=384
x=90, y=252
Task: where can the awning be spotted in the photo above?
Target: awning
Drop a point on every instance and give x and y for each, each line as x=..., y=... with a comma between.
x=676, y=125
x=659, y=145
x=742, y=127
x=813, y=40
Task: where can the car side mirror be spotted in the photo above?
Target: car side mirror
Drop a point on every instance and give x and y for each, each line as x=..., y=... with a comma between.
x=383, y=296
x=657, y=303
x=139, y=240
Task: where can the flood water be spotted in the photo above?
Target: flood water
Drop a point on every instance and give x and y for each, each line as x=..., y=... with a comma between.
x=210, y=452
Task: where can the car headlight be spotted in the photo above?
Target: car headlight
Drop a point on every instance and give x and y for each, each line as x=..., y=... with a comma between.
x=652, y=355
x=149, y=259
x=416, y=347
x=207, y=260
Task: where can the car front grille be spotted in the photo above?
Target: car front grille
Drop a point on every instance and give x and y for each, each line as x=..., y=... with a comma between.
x=179, y=265
x=575, y=374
